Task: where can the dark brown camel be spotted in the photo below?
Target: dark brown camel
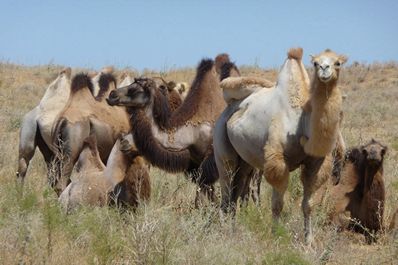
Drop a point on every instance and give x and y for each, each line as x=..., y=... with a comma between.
x=361, y=190
x=175, y=141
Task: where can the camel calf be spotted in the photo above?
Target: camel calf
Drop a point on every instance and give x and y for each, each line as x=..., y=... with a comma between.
x=125, y=177
x=361, y=191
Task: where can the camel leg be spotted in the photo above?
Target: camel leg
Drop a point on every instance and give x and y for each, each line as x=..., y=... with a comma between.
x=226, y=159
x=245, y=195
x=338, y=157
x=251, y=188
x=276, y=173
x=27, y=143
x=256, y=183
x=314, y=173
x=70, y=145
x=240, y=183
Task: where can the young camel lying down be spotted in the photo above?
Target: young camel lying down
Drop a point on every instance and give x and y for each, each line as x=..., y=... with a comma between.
x=360, y=191
x=124, y=179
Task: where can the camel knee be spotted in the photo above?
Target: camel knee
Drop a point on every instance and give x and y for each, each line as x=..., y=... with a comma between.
x=275, y=170
x=22, y=168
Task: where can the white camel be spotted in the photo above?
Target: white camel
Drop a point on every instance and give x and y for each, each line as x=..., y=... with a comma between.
x=263, y=129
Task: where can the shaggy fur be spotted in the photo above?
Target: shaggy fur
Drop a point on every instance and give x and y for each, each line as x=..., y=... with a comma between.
x=104, y=81
x=237, y=88
x=295, y=53
x=171, y=161
x=228, y=69
x=361, y=190
x=174, y=99
x=136, y=186
x=197, y=107
x=81, y=81
x=161, y=109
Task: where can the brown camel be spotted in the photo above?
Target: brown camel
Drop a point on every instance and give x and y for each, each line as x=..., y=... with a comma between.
x=361, y=190
x=124, y=179
x=175, y=141
x=36, y=129
x=173, y=96
x=83, y=115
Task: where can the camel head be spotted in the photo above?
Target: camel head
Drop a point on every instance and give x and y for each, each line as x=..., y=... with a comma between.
x=373, y=152
x=138, y=94
x=327, y=65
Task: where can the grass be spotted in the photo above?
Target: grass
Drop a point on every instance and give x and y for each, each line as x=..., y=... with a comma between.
x=168, y=230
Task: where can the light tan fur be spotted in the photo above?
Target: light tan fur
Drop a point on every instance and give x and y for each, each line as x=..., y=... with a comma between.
x=326, y=108
x=82, y=105
x=237, y=88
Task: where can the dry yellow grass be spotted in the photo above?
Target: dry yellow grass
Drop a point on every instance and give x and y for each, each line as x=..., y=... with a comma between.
x=33, y=229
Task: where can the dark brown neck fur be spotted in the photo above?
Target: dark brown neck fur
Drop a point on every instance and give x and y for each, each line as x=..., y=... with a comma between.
x=156, y=154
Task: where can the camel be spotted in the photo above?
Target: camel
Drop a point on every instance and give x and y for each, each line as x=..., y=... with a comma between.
x=360, y=191
x=169, y=91
x=263, y=129
x=124, y=179
x=83, y=115
x=183, y=89
x=175, y=141
x=36, y=125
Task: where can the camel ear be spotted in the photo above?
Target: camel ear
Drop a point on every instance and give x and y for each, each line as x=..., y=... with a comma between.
x=312, y=58
x=343, y=59
x=67, y=71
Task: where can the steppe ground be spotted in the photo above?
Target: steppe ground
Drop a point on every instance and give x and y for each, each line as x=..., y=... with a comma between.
x=168, y=230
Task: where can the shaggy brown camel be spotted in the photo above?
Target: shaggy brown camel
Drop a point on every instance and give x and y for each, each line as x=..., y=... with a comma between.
x=124, y=179
x=83, y=115
x=175, y=141
x=262, y=127
x=361, y=190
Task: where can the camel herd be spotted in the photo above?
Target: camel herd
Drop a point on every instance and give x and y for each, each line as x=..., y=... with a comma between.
x=99, y=139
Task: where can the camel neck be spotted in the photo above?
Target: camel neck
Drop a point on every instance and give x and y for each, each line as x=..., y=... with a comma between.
x=160, y=110
x=322, y=90
x=369, y=175
x=116, y=166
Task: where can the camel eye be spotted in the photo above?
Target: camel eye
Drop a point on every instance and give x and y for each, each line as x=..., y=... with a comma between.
x=316, y=64
x=337, y=64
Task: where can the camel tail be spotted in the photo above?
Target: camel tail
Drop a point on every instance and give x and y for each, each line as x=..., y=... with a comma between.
x=295, y=53
x=57, y=133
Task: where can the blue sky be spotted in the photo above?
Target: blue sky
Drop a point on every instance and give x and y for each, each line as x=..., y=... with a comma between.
x=166, y=34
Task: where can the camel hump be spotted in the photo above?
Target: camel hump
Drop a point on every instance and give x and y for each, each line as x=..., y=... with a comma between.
x=67, y=71
x=237, y=88
x=104, y=84
x=295, y=53
x=220, y=60
x=81, y=81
